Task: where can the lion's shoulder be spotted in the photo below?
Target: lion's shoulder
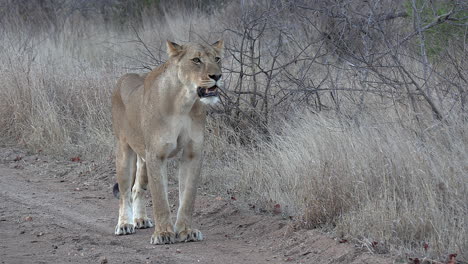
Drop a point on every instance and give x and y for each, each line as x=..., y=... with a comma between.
x=152, y=76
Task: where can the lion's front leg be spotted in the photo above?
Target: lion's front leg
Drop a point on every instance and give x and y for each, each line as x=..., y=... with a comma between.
x=189, y=176
x=157, y=179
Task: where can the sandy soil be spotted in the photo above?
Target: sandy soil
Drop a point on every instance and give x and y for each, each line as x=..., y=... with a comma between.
x=60, y=211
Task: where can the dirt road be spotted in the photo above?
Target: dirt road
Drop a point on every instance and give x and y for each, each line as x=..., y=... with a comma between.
x=59, y=211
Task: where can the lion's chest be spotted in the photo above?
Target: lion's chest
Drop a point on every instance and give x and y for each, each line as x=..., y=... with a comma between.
x=183, y=133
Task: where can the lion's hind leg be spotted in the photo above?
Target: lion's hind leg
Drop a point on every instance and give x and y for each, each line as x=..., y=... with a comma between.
x=126, y=168
x=138, y=194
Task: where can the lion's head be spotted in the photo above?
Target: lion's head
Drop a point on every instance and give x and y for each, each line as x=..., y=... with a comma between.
x=199, y=68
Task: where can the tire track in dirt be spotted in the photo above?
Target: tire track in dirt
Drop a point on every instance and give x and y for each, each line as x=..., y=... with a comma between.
x=67, y=227
x=54, y=224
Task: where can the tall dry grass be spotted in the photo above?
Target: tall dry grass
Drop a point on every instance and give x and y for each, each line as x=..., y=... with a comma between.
x=376, y=182
x=54, y=103
x=369, y=171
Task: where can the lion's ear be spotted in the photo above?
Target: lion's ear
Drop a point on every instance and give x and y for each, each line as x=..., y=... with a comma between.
x=173, y=49
x=219, y=46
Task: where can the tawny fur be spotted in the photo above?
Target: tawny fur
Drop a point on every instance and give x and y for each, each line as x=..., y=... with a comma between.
x=155, y=116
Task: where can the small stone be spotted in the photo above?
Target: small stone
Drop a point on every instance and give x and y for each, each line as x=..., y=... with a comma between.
x=103, y=260
x=178, y=250
x=28, y=218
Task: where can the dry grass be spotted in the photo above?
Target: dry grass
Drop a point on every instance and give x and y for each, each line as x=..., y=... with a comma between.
x=385, y=178
x=58, y=105
x=376, y=182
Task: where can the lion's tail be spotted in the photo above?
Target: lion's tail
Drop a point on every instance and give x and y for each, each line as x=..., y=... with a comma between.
x=116, y=191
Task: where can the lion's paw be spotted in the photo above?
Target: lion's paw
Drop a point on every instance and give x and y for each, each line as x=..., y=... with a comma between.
x=124, y=229
x=164, y=237
x=142, y=223
x=189, y=235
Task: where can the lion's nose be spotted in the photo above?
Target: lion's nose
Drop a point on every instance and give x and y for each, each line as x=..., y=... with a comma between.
x=215, y=77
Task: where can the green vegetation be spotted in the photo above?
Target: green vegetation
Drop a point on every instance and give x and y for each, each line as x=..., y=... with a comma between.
x=444, y=35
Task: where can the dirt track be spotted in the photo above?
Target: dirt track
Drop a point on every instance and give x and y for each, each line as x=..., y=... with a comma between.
x=61, y=211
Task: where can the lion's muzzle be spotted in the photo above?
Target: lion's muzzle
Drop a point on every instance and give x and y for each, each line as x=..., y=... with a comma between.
x=207, y=92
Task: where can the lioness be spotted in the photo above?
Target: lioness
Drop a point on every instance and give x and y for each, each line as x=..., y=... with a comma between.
x=154, y=117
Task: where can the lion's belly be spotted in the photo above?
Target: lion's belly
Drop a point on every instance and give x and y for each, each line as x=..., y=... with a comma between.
x=133, y=136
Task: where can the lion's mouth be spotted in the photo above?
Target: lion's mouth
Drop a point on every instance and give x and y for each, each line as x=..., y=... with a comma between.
x=207, y=92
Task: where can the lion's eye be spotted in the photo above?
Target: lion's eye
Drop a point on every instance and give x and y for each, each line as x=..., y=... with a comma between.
x=217, y=59
x=196, y=60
